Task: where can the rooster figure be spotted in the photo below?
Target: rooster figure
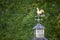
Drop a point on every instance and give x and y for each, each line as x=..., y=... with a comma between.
x=39, y=12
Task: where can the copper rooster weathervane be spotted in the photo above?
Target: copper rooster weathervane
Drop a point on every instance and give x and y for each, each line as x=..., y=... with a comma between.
x=40, y=13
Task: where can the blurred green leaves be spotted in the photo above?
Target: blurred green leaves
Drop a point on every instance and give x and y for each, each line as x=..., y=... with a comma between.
x=17, y=18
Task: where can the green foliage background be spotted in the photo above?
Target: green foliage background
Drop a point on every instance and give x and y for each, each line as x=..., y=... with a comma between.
x=17, y=18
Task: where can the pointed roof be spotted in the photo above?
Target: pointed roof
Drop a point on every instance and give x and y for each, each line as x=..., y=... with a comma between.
x=38, y=26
